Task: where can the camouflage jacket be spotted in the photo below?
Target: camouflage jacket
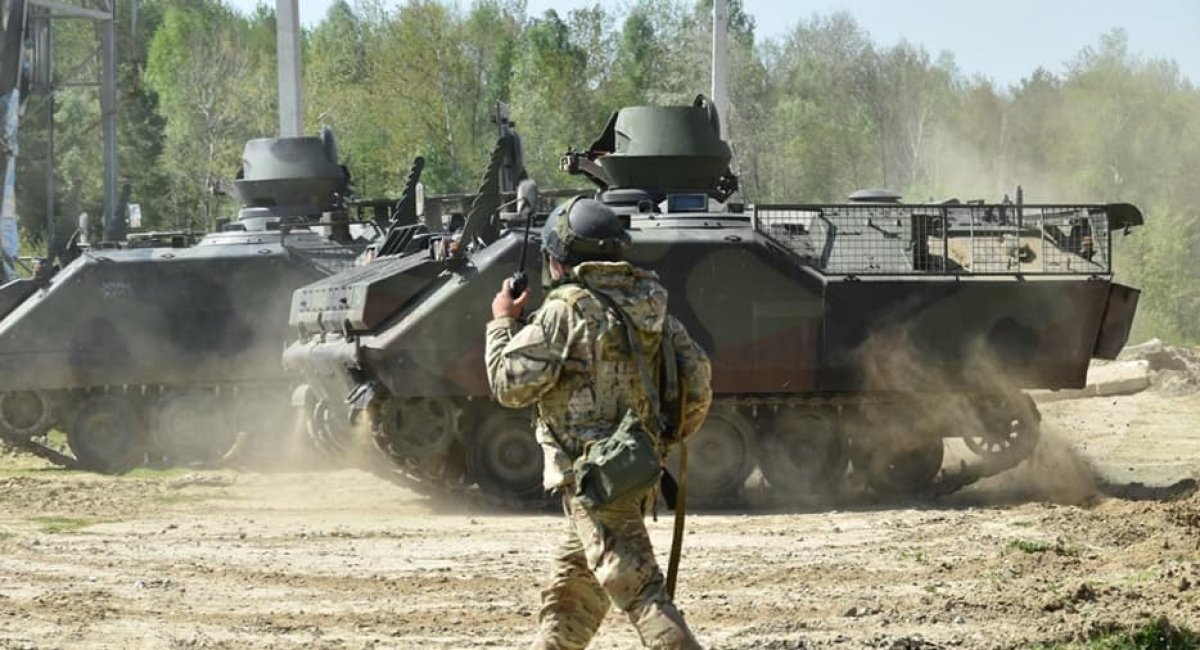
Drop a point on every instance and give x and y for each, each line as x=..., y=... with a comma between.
x=572, y=360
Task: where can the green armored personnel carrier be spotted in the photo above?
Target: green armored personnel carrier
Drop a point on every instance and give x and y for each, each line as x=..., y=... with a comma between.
x=852, y=344
x=163, y=351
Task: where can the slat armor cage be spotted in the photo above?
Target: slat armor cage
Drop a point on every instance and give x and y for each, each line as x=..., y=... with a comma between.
x=950, y=239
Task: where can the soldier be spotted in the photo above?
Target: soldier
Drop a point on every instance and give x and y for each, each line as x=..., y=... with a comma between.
x=573, y=363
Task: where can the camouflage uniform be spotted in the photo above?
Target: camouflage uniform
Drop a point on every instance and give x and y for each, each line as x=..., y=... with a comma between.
x=572, y=361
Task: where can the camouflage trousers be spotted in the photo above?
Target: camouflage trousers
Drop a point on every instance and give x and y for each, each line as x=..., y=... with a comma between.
x=606, y=556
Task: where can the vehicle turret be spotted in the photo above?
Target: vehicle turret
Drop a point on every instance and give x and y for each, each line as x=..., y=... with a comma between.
x=656, y=151
x=294, y=180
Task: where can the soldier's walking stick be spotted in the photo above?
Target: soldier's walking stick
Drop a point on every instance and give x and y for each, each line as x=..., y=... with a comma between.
x=680, y=508
x=680, y=500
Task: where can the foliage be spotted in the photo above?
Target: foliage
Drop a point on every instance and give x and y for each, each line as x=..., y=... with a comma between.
x=1159, y=634
x=1039, y=546
x=815, y=114
x=207, y=66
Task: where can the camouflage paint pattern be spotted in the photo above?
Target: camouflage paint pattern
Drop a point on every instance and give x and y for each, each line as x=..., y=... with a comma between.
x=208, y=314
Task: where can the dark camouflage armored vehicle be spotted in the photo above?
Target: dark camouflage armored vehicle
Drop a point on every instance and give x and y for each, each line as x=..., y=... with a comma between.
x=867, y=344
x=162, y=353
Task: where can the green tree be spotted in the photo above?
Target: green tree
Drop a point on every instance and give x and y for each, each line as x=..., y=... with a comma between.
x=1133, y=126
x=551, y=95
x=637, y=63
x=209, y=77
x=825, y=113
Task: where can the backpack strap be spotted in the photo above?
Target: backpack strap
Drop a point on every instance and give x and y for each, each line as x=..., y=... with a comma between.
x=570, y=293
x=670, y=387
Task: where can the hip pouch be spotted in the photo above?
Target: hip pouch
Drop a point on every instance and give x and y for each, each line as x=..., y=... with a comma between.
x=621, y=465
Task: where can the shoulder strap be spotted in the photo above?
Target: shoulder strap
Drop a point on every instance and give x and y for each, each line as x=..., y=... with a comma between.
x=568, y=292
x=671, y=390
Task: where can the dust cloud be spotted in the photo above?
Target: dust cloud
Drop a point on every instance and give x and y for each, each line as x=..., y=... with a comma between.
x=969, y=401
x=1055, y=472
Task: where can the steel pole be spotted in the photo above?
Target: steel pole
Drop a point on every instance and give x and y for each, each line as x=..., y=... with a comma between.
x=114, y=220
x=720, y=64
x=287, y=43
x=51, y=242
x=44, y=46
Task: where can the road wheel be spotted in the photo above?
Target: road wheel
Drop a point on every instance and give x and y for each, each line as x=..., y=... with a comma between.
x=803, y=455
x=720, y=459
x=26, y=414
x=907, y=470
x=504, y=457
x=418, y=429
x=191, y=427
x=328, y=435
x=1012, y=428
x=108, y=435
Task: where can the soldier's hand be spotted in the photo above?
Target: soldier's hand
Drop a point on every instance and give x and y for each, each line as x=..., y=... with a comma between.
x=505, y=305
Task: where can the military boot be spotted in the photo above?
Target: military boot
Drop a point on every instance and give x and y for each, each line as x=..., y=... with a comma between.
x=660, y=625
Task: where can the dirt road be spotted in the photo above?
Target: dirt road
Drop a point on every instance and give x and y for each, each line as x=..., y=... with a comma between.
x=342, y=560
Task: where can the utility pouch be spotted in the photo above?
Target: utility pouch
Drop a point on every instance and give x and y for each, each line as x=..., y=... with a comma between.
x=621, y=465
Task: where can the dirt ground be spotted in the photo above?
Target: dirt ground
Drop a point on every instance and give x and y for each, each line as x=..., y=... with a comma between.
x=221, y=559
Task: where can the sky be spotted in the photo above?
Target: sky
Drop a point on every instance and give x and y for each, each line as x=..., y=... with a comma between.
x=1002, y=40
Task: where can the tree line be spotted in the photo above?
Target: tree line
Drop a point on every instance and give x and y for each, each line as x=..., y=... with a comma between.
x=816, y=113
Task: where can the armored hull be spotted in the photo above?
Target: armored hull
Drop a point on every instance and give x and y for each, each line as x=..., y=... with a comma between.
x=164, y=354
x=828, y=344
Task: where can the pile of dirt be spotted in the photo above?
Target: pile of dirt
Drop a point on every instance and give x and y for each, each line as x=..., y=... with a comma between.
x=1173, y=369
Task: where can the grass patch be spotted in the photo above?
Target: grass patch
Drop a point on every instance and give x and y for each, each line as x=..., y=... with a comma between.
x=1139, y=577
x=6, y=535
x=57, y=439
x=916, y=556
x=56, y=525
x=1029, y=546
x=1040, y=546
x=1159, y=635
x=1156, y=635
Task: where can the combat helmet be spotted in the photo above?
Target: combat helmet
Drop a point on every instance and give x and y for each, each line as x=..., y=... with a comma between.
x=583, y=230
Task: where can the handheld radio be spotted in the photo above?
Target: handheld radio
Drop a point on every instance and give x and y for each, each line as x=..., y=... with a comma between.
x=527, y=199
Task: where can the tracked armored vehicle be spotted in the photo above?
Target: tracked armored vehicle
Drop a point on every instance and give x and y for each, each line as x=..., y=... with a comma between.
x=869, y=345
x=146, y=352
